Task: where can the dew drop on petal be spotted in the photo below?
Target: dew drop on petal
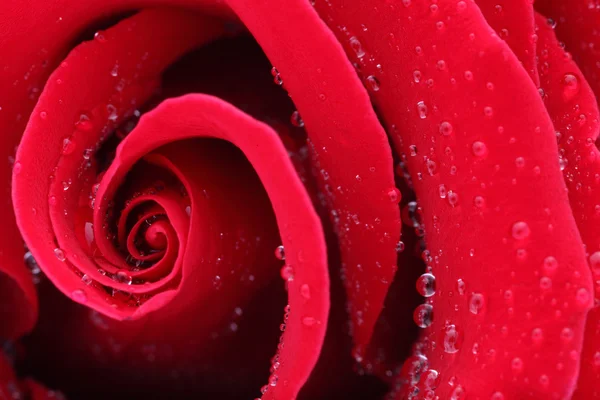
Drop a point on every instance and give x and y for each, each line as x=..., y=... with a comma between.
x=423, y=315
x=280, y=252
x=571, y=86
x=452, y=198
x=373, y=83
x=357, y=47
x=446, y=128
x=452, y=339
x=296, y=120
x=476, y=303
x=537, y=336
x=394, y=195
x=123, y=277
x=287, y=273
x=520, y=230
x=497, y=396
x=479, y=149
x=59, y=254
x=422, y=109
x=550, y=265
x=516, y=365
x=458, y=393
x=79, y=295
x=305, y=291
x=460, y=287
x=426, y=285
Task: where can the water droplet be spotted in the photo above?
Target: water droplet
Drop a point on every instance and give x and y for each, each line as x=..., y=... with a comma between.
x=18, y=167
x=545, y=284
x=488, y=111
x=79, y=295
x=84, y=123
x=394, y=195
x=68, y=146
x=423, y=315
x=479, y=149
x=43, y=115
x=458, y=393
x=520, y=230
x=452, y=198
x=87, y=154
x=400, y=246
x=86, y=279
x=516, y=365
x=570, y=84
x=460, y=287
x=426, y=285
x=417, y=76
x=446, y=128
x=373, y=83
x=287, y=273
x=422, y=109
x=550, y=265
x=296, y=120
x=452, y=339
x=357, y=47
x=476, y=303
x=497, y=396
x=276, y=76
x=442, y=191
x=99, y=36
x=123, y=277
x=308, y=321
x=59, y=254
x=479, y=201
x=305, y=291
x=280, y=252
x=430, y=379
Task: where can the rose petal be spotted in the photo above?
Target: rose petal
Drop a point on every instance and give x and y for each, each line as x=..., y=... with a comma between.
x=60, y=114
x=577, y=27
x=490, y=219
x=203, y=116
x=513, y=21
x=574, y=111
x=349, y=147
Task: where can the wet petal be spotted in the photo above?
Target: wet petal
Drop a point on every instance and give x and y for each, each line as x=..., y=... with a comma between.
x=513, y=21
x=572, y=105
x=450, y=91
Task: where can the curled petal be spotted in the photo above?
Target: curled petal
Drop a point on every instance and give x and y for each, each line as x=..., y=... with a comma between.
x=572, y=105
x=451, y=92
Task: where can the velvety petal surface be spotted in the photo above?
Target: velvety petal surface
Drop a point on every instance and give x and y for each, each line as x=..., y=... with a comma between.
x=574, y=111
x=480, y=148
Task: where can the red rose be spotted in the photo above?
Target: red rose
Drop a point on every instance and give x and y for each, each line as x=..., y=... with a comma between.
x=164, y=154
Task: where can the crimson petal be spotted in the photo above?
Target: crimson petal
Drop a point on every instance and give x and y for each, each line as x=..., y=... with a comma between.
x=574, y=111
x=513, y=21
x=480, y=148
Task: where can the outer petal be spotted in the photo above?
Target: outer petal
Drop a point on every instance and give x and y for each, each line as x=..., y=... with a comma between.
x=513, y=21
x=480, y=148
x=574, y=111
x=577, y=24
